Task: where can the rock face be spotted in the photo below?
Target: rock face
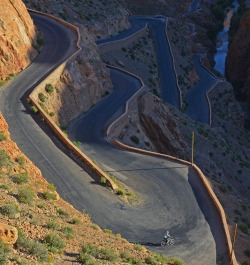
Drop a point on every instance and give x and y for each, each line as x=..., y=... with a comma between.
x=8, y=234
x=83, y=82
x=238, y=58
x=160, y=126
x=17, y=34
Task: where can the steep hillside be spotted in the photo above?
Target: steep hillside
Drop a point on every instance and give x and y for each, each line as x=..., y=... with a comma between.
x=17, y=35
x=238, y=59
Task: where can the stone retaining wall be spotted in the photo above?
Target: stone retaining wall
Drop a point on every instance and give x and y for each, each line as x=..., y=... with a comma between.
x=54, y=75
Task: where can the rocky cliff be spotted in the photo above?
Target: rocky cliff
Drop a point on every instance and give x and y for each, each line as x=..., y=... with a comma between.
x=238, y=59
x=17, y=34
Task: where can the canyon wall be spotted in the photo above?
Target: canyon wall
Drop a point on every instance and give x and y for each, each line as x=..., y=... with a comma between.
x=238, y=59
x=17, y=35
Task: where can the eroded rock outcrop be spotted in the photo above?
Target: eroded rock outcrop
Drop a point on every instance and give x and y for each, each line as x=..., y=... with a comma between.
x=238, y=58
x=8, y=234
x=82, y=83
x=17, y=34
x=160, y=126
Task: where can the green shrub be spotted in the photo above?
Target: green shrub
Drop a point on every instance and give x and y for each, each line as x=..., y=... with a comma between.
x=125, y=255
x=151, y=260
x=34, y=109
x=3, y=137
x=26, y=195
x=20, y=160
x=52, y=225
x=38, y=250
x=77, y=144
x=120, y=192
x=49, y=195
x=20, y=178
x=4, y=158
x=86, y=259
x=243, y=228
x=40, y=39
x=247, y=252
x=41, y=206
x=10, y=210
x=52, y=114
x=49, y=88
x=138, y=247
x=107, y=231
x=108, y=254
x=67, y=230
x=89, y=249
x=42, y=97
x=4, y=251
x=62, y=213
x=177, y=261
x=51, y=186
x=5, y=187
x=103, y=180
x=54, y=242
x=134, y=139
x=75, y=221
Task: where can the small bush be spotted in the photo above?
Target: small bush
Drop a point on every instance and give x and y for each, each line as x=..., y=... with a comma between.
x=41, y=206
x=86, y=259
x=177, y=261
x=3, y=137
x=134, y=139
x=89, y=249
x=52, y=114
x=26, y=195
x=151, y=260
x=54, y=242
x=4, y=158
x=62, y=213
x=21, y=161
x=42, y=97
x=34, y=109
x=107, y=231
x=20, y=178
x=10, y=210
x=125, y=255
x=75, y=221
x=68, y=231
x=103, y=180
x=38, y=250
x=243, y=228
x=51, y=186
x=138, y=247
x=49, y=88
x=4, y=251
x=49, y=195
x=108, y=254
x=77, y=144
x=5, y=187
x=52, y=225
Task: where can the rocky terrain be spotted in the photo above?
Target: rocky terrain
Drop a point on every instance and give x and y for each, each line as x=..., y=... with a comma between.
x=238, y=60
x=17, y=38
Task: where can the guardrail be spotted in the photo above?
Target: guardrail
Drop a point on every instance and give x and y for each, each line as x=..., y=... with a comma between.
x=112, y=45
x=171, y=52
x=50, y=122
x=205, y=183
x=116, y=126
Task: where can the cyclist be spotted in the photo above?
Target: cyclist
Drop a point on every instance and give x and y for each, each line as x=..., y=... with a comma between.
x=167, y=236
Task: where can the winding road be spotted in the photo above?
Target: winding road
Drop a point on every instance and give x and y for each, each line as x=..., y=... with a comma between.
x=173, y=196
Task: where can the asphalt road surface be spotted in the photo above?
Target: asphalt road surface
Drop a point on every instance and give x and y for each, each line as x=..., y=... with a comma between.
x=173, y=197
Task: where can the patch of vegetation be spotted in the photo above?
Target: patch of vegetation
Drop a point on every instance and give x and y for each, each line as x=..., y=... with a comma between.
x=21, y=161
x=34, y=109
x=20, y=178
x=54, y=243
x=36, y=249
x=42, y=97
x=134, y=139
x=4, y=252
x=77, y=144
x=138, y=247
x=4, y=158
x=68, y=231
x=62, y=213
x=26, y=195
x=107, y=231
x=49, y=195
x=52, y=225
x=5, y=187
x=49, y=88
x=243, y=228
x=3, y=137
x=76, y=221
x=177, y=261
x=10, y=210
x=51, y=186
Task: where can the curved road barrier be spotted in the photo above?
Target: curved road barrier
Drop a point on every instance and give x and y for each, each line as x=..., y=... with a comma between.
x=50, y=122
x=116, y=126
x=116, y=44
x=171, y=52
x=205, y=183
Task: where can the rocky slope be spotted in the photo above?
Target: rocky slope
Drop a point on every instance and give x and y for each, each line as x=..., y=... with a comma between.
x=238, y=59
x=17, y=35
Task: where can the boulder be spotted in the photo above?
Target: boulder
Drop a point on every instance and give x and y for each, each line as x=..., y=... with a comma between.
x=8, y=234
